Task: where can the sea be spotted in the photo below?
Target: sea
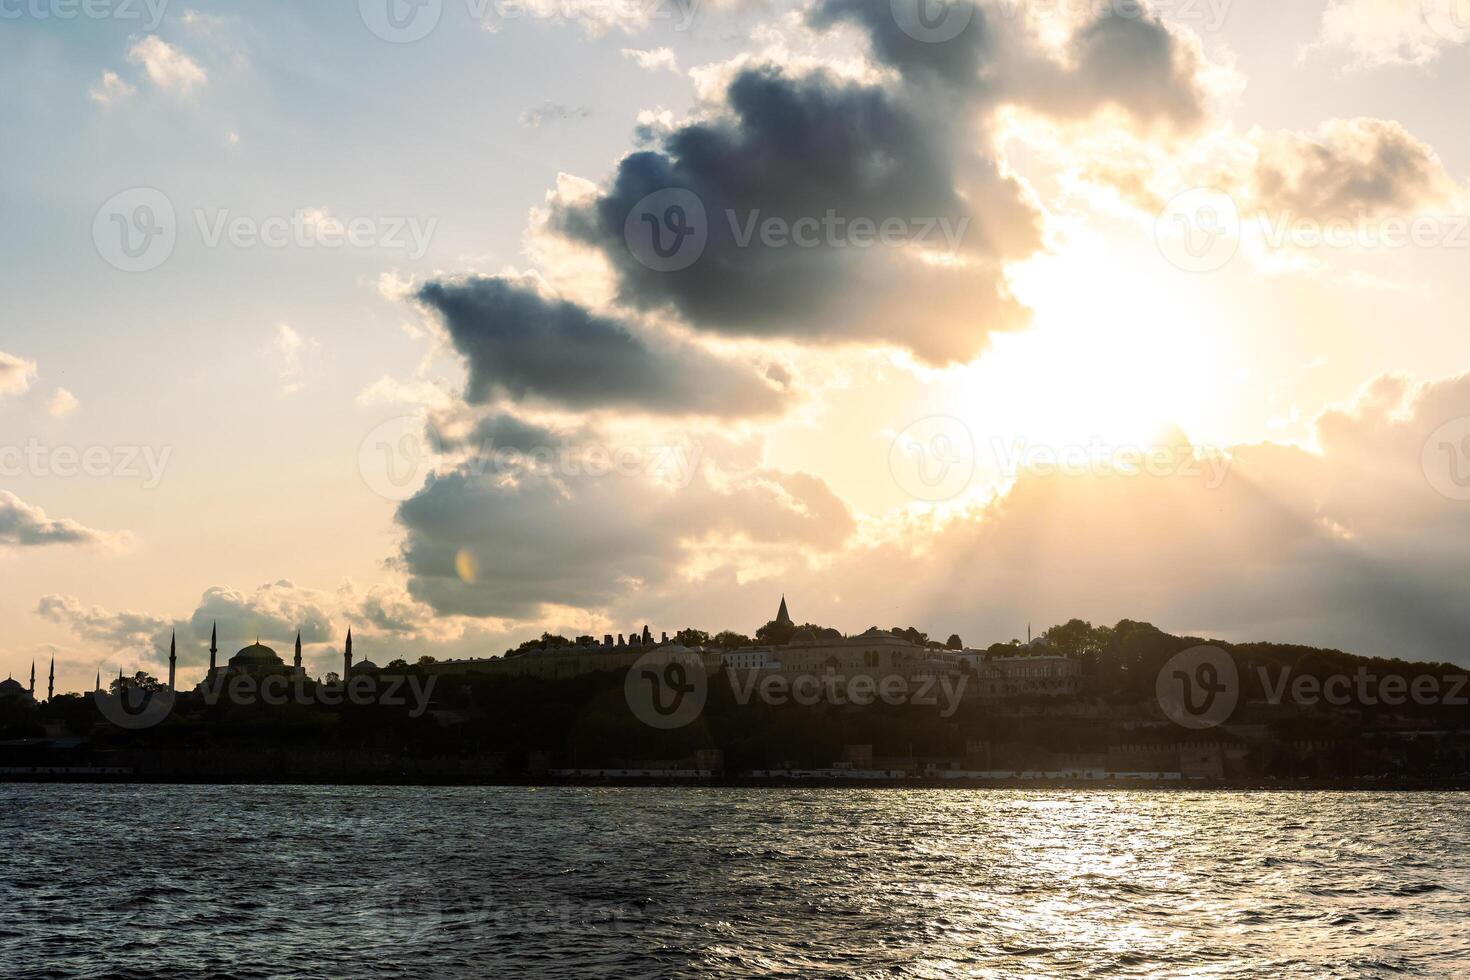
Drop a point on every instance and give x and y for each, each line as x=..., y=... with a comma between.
x=122, y=881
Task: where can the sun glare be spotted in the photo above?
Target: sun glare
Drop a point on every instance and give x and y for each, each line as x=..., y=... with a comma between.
x=1112, y=358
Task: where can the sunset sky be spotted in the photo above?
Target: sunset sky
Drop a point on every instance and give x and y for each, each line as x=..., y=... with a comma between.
x=1226, y=239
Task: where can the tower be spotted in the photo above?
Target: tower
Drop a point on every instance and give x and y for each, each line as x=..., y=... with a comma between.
x=98, y=688
x=782, y=616
x=298, y=651
x=51, y=680
x=213, y=645
x=347, y=658
x=173, y=658
x=33, y=679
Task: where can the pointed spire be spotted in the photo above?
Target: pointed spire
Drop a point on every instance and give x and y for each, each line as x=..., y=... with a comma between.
x=99, y=681
x=782, y=616
x=347, y=658
x=33, y=678
x=173, y=657
x=298, y=650
x=213, y=645
x=51, y=680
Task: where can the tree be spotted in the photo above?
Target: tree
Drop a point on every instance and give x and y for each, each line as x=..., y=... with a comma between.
x=730, y=640
x=425, y=660
x=691, y=637
x=398, y=664
x=332, y=678
x=139, y=681
x=775, y=634
x=954, y=642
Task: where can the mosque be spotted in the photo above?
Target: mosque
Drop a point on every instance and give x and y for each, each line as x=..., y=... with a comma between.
x=258, y=660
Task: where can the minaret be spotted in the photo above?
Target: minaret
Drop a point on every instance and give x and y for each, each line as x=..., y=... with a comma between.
x=347, y=658
x=298, y=651
x=173, y=658
x=213, y=645
x=51, y=681
x=98, y=688
x=33, y=678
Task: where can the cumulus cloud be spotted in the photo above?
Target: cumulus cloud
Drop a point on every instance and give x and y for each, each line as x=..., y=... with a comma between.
x=62, y=403
x=1350, y=167
x=520, y=344
x=485, y=545
x=1356, y=544
x=799, y=149
x=114, y=631
x=16, y=374
x=1375, y=33
x=110, y=89
x=383, y=616
x=166, y=66
x=25, y=526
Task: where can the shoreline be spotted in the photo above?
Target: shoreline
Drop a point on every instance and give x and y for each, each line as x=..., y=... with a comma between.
x=1455, y=785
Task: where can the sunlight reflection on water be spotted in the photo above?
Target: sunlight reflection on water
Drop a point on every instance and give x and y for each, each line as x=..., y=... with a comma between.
x=333, y=881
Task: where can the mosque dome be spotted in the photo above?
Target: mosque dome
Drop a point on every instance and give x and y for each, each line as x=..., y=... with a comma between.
x=365, y=665
x=11, y=687
x=256, y=655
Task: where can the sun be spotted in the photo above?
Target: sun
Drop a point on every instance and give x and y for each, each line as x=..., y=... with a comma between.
x=1116, y=355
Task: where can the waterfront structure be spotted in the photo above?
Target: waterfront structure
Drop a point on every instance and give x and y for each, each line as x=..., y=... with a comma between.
x=1001, y=677
x=13, y=690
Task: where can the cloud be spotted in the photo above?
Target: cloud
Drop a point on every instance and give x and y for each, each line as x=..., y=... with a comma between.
x=653, y=59
x=509, y=545
x=16, y=374
x=801, y=149
x=519, y=344
x=1010, y=54
x=1357, y=544
x=546, y=112
x=288, y=346
x=1350, y=167
x=25, y=526
x=166, y=66
x=111, y=89
x=1377, y=33
x=274, y=612
x=62, y=403
x=115, y=631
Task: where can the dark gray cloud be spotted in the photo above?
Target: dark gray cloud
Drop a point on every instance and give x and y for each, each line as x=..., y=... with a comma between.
x=519, y=344
x=954, y=62
x=803, y=148
x=481, y=545
x=25, y=526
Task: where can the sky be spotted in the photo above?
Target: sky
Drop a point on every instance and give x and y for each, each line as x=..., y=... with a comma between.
x=455, y=321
